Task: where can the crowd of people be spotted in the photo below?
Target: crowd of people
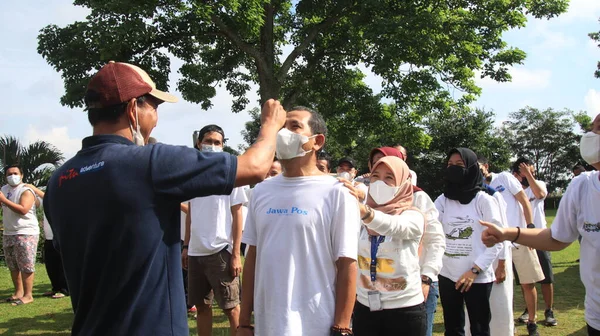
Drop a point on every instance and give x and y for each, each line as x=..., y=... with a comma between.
x=139, y=232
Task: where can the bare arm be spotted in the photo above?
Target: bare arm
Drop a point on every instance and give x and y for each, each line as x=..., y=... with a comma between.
x=247, y=305
x=25, y=203
x=186, y=235
x=188, y=225
x=236, y=232
x=36, y=190
x=538, y=192
x=527, y=212
x=254, y=164
x=540, y=239
x=185, y=208
x=345, y=291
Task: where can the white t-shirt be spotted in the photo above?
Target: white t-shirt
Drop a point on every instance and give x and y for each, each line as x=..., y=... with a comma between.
x=212, y=222
x=300, y=226
x=398, y=277
x=579, y=214
x=537, y=205
x=14, y=223
x=47, y=229
x=413, y=177
x=464, y=247
x=182, y=223
x=434, y=240
x=509, y=186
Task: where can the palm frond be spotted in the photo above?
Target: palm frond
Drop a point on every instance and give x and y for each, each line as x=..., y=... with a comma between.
x=33, y=159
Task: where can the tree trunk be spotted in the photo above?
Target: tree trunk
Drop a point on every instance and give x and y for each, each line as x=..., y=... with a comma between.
x=269, y=86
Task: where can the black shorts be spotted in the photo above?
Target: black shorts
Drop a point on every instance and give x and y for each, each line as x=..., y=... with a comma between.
x=545, y=264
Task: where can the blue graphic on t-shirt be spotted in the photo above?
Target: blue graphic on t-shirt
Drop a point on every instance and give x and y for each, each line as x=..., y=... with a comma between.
x=287, y=212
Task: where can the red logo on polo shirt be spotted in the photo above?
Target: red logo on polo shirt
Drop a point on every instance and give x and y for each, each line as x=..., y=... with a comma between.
x=68, y=175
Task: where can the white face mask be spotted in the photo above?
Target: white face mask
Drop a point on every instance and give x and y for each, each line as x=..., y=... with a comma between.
x=289, y=144
x=590, y=147
x=136, y=134
x=211, y=148
x=382, y=193
x=13, y=180
x=345, y=175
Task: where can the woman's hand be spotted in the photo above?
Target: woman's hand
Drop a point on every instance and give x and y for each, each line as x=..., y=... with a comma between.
x=350, y=186
x=465, y=281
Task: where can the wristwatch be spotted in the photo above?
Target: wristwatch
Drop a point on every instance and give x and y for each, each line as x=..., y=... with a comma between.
x=531, y=226
x=474, y=270
x=426, y=280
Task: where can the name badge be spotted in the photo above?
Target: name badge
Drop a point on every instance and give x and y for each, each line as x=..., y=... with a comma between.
x=375, y=301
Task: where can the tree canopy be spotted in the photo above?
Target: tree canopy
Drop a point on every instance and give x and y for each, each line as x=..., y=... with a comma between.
x=548, y=138
x=422, y=50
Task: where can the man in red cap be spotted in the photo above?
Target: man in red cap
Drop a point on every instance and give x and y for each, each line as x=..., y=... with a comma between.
x=114, y=207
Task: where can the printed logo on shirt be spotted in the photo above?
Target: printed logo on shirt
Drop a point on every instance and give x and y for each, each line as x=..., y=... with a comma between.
x=91, y=168
x=500, y=188
x=67, y=176
x=591, y=227
x=461, y=229
x=287, y=212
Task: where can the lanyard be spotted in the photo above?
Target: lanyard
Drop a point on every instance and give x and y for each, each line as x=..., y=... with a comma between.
x=375, y=241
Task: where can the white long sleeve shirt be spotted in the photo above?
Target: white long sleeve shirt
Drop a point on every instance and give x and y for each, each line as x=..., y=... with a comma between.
x=398, y=276
x=434, y=241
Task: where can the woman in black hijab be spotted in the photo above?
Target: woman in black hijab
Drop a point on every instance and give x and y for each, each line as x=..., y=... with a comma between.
x=467, y=273
x=463, y=182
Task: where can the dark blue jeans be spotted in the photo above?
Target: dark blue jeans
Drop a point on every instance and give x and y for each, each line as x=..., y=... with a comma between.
x=431, y=306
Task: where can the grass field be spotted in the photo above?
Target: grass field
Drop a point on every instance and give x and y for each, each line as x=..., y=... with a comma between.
x=47, y=316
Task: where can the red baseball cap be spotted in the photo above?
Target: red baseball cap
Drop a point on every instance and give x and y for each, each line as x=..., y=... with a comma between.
x=117, y=83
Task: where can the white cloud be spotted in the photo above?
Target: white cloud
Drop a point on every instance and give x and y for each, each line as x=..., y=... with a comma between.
x=57, y=136
x=592, y=102
x=582, y=10
x=546, y=38
x=522, y=78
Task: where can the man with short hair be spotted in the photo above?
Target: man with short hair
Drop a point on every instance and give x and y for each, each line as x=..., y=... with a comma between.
x=114, y=208
x=323, y=162
x=578, y=169
x=525, y=261
x=347, y=169
x=300, y=271
x=211, y=248
x=536, y=191
x=21, y=234
x=274, y=170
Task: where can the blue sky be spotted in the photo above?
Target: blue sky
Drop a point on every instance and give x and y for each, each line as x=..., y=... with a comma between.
x=558, y=73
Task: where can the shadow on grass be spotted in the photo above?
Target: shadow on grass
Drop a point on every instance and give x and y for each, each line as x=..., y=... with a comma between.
x=580, y=332
x=38, y=290
x=570, y=290
x=565, y=264
x=438, y=327
x=38, y=324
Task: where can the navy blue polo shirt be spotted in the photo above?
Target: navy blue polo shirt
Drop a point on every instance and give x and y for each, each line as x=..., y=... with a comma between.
x=114, y=210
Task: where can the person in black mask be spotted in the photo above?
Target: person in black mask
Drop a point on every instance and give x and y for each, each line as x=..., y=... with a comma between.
x=467, y=273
